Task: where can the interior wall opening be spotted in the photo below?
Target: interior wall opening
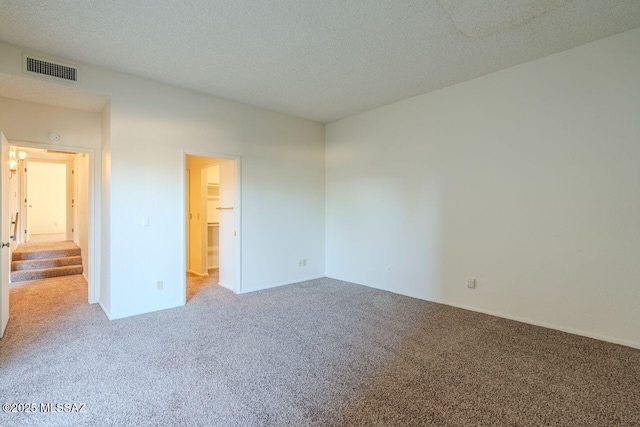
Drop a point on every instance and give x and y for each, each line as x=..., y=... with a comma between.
x=210, y=229
x=49, y=211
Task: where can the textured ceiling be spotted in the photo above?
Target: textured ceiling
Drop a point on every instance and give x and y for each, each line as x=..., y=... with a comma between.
x=319, y=59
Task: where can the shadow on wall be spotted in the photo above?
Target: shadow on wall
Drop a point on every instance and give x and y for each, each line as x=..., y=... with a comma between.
x=387, y=233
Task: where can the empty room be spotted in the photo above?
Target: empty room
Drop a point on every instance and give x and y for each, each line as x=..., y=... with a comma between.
x=320, y=213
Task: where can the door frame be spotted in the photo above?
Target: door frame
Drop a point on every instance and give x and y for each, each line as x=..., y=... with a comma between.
x=92, y=276
x=237, y=288
x=72, y=200
x=5, y=232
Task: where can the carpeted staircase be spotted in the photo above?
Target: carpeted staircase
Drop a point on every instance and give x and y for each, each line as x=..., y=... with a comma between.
x=32, y=261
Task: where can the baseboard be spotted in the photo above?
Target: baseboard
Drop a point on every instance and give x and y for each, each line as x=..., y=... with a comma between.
x=277, y=285
x=547, y=325
x=105, y=310
x=533, y=322
x=86, y=279
x=146, y=310
x=224, y=285
x=197, y=274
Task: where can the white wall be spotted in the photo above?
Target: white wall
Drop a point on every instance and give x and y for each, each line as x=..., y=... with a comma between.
x=32, y=122
x=104, y=255
x=282, y=189
x=151, y=124
x=82, y=204
x=526, y=179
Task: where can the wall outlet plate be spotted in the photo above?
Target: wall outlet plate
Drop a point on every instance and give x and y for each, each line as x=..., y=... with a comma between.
x=471, y=283
x=160, y=285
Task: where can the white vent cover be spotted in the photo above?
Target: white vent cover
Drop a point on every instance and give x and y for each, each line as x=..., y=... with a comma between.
x=49, y=69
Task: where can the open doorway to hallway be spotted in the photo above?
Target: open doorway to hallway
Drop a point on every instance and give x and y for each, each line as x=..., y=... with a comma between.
x=46, y=196
x=49, y=210
x=212, y=213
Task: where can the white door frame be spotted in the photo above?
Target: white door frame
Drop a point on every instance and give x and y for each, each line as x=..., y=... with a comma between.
x=5, y=255
x=237, y=288
x=93, y=278
x=72, y=200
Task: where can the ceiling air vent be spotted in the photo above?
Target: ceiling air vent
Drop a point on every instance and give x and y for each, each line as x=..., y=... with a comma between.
x=46, y=68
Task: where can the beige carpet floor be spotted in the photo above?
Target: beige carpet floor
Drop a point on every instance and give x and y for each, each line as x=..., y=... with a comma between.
x=323, y=352
x=196, y=283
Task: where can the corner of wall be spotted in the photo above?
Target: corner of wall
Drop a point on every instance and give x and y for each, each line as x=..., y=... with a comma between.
x=105, y=208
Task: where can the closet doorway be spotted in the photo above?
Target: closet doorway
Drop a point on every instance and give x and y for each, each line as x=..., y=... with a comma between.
x=211, y=223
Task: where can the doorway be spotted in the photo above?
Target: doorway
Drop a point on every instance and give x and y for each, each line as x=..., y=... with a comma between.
x=212, y=219
x=50, y=195
x=49, y=208
x=76, y=252
x=25, y=260
x=45, y=203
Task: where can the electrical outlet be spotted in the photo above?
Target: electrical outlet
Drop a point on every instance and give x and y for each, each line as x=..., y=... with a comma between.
x=471, y=283
x=302, y=263
x=160, y=285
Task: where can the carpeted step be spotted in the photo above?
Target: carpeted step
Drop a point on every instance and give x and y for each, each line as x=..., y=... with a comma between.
x=37, y=264
x=44, y=273
x=46, y=254
x=42, y=260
